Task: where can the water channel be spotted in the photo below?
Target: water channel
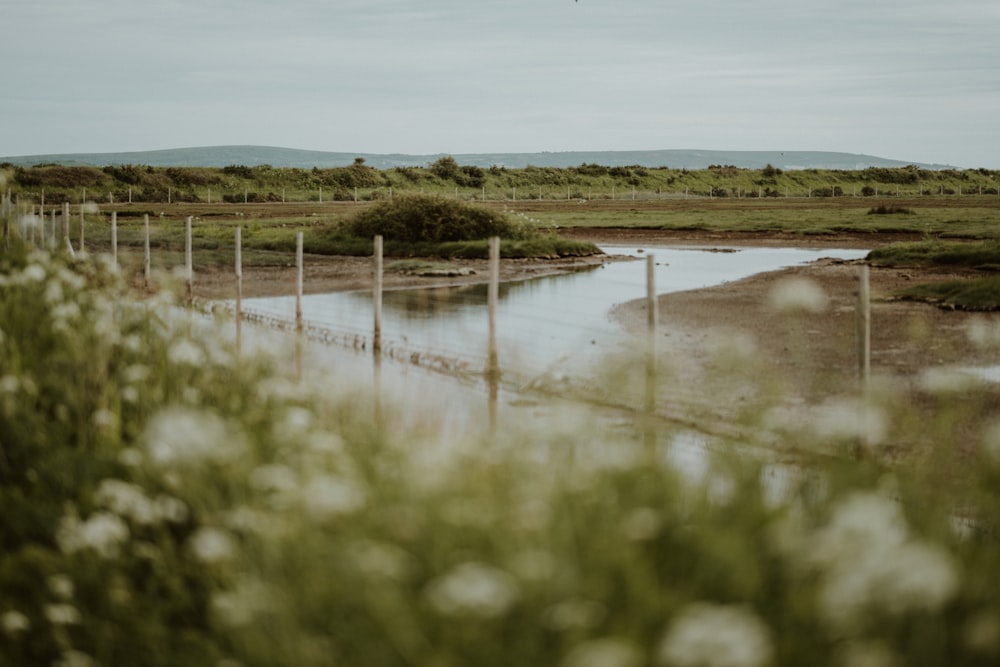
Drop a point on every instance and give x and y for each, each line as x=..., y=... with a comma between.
x=541, y=321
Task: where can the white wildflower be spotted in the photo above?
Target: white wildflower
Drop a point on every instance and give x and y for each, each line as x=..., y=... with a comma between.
x=608, y=652
x=273, y=478
x=65, y=315
x=72, y=279
x=574, y=614
x=184, y=352
x=125, y=499
x=53, y=293
x=212, y=545
x=62, y=614
x=473, y=590
x=797, y=295
x=984, y=332
x=14, y=622
x=943, y=380
x=130, y=457
x=170, y=509
x=841, y=419
x=325, y=496
x=102, y=532
x=179, y=436
x=709, y=635
x=104, y=419
x=9, y=384
x=869, y=561
x=239, y=605
x=135, y=373
x=33, y=273
x=921, y=576
x=61, y=586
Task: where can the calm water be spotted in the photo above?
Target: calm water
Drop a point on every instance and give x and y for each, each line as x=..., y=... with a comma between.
x=539, y=321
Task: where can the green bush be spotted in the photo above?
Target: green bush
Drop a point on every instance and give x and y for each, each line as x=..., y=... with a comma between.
x=424, y=219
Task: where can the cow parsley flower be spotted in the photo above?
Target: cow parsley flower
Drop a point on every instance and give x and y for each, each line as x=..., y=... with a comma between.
x=710, y=635
x=212, y=545
x=101, y=532
x=181, y=436
x=14, y=622
x=798, y=295
x=473, y=589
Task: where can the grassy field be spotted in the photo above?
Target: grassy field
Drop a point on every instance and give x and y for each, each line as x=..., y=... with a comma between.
x=359, y=182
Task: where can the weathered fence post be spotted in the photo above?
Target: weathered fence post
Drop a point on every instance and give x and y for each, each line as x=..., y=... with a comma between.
x=82, y=248
x=298, y=281
x=651, y=323
x=188, y=260
x=377, y=297
x=146, y=262
x=114, y=238
x=239, y=285
x=492, y=297
x=65, y=221
x=863, y=328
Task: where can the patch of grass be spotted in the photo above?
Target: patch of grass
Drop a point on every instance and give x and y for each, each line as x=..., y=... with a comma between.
x=965, y=254
x=889, y=209
x=974, y=294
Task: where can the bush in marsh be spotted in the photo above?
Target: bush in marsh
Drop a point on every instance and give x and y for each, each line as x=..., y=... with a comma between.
x=423, y=219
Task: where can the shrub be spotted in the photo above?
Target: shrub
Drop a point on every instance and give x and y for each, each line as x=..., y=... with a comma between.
x=889, y=209
x=445, y=168
x=420, y=219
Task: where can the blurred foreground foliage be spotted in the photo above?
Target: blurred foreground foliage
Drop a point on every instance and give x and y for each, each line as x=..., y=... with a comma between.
x=167, y=503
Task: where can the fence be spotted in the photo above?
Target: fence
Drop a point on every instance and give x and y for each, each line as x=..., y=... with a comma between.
x=485, y=365
x=514, y=193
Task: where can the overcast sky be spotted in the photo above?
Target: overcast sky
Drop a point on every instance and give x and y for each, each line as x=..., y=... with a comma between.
x=914, y=80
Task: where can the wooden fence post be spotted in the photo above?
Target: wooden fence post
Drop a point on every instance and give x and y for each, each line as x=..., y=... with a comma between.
x=114, y=238
x=65, y=221
x=82, y=248
x=863, y=328
x=146, y=262
x=188, y=260
x=651, y=323
x=298, y=281
x=492, y=298
x=377, y=297
x=239, y=285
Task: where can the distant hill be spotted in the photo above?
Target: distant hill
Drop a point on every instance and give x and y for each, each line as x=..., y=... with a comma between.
x=221, y=156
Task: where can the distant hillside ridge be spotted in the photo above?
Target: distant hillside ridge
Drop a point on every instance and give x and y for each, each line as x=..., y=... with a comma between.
x=222, y=156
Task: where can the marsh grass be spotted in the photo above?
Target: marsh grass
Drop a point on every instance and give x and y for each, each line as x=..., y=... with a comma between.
x=170, y=501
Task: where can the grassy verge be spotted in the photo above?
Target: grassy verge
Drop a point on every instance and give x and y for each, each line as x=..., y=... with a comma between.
x=973, y=293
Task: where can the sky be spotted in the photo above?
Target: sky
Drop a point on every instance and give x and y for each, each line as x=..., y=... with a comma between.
x=913, y=80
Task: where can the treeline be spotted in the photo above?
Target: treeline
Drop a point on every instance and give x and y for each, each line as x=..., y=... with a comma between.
x=358, y=181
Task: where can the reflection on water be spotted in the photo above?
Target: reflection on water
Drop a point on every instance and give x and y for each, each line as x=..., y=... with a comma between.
x=541, y=320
